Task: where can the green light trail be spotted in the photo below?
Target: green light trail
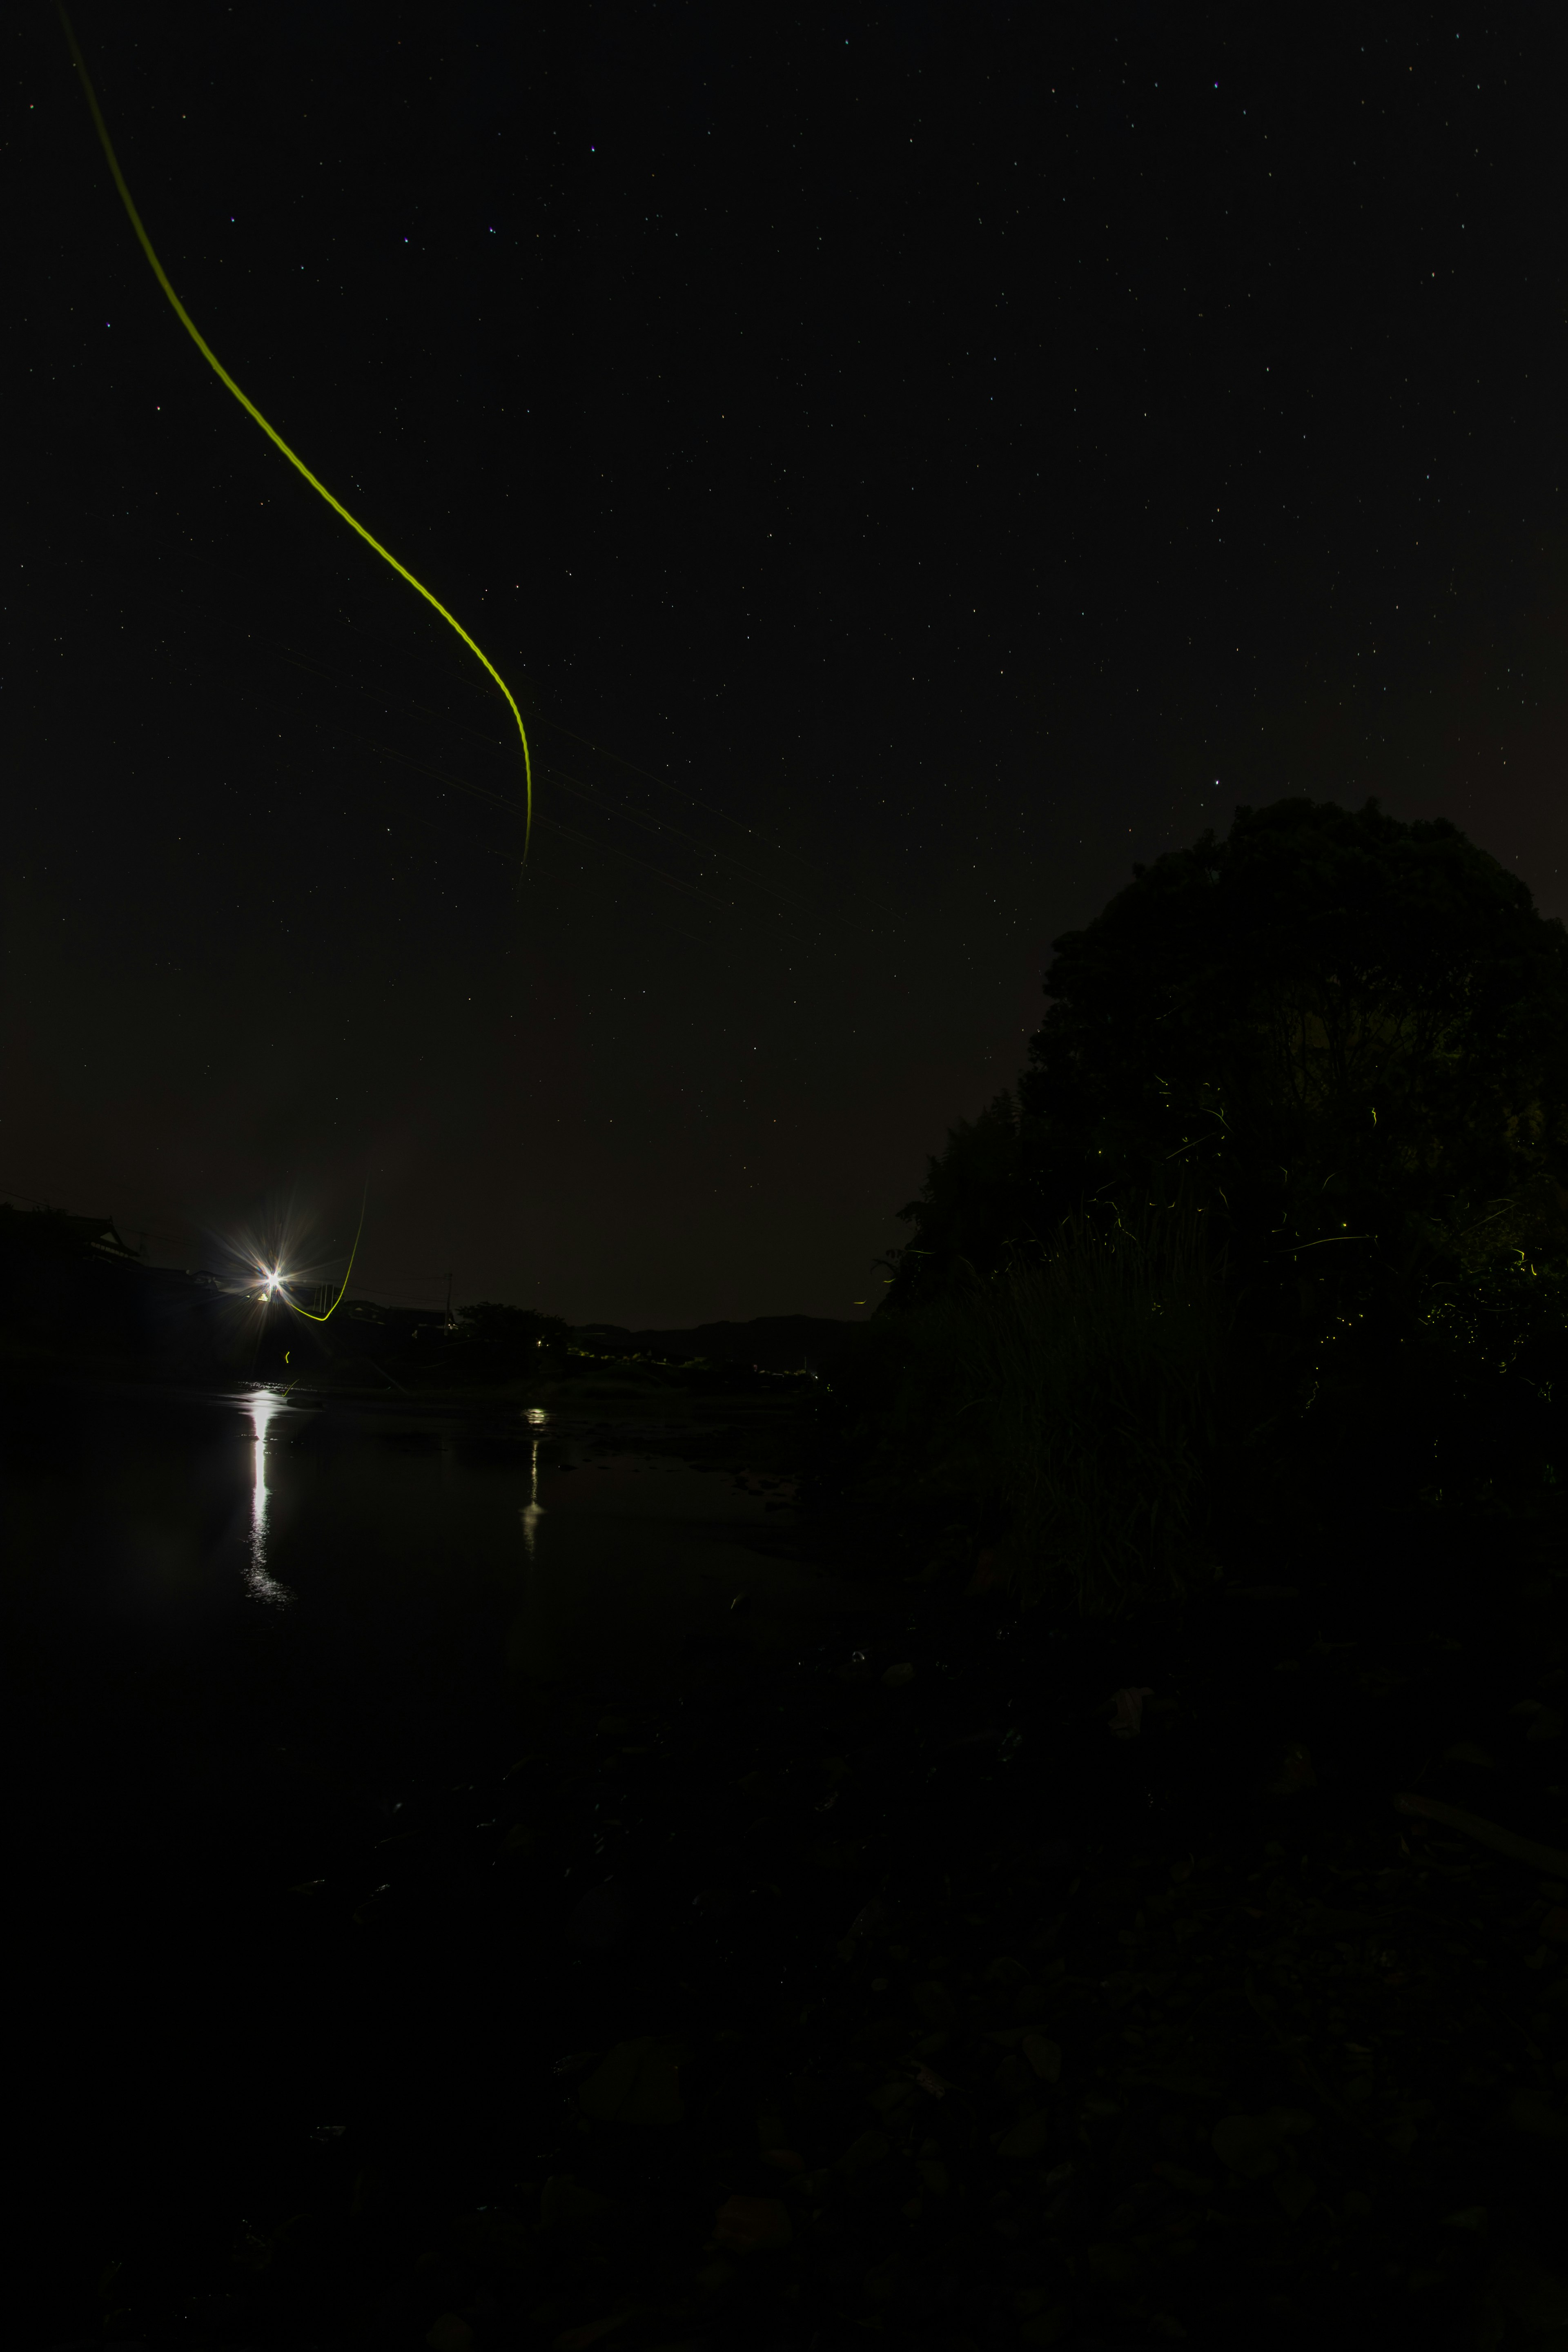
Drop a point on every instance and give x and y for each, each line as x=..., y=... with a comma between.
x=293, y=1305
x=276, y=439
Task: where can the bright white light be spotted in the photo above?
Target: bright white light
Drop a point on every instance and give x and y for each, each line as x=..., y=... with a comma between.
x=261, y=1407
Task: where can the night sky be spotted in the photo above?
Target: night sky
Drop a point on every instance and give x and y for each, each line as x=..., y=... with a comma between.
x=908, y=465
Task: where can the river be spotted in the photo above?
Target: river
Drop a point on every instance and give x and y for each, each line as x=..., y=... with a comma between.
x=244, y=1636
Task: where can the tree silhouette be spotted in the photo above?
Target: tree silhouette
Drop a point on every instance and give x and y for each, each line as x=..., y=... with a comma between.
x=1349, y=1034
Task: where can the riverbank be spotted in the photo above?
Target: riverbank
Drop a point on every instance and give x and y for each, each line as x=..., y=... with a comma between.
x=873, y=1986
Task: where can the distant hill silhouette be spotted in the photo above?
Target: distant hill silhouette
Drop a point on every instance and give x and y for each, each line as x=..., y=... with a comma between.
x=775, y=1343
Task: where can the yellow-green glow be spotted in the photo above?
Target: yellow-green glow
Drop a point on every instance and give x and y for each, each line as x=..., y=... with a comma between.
x=348, y=1269
x=276, y=439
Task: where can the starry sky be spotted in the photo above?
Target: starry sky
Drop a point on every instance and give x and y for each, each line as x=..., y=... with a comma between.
x=908, y=464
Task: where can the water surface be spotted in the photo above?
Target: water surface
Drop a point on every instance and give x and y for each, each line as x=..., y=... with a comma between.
x=241, y=1630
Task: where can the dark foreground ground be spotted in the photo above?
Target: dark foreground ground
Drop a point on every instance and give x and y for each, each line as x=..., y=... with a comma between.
x=884, y=1994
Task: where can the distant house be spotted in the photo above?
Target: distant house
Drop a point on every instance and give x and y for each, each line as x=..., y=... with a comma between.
x=52, y=1232
x=375, y=1329
x=416, y=1322
x=770, y=1343
x=74, y=1295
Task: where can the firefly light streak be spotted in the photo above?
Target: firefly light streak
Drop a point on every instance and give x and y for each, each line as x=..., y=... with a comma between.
x=276, y=439
x=277, y=1281
x=297, y=1309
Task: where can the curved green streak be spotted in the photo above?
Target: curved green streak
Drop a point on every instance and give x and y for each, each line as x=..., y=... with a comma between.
x=251, y=409
x=347, y=1271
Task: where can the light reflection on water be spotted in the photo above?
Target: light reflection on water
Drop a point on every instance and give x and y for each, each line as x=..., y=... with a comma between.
x=416, y=1552
x=262, y=1407
x=533, y=1509
x=639, y=1545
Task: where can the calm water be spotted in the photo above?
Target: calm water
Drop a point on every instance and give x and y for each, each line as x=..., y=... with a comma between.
x=218, y=1574
x=240, y=1632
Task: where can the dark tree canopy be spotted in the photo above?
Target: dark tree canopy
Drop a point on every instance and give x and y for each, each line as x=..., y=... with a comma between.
x=508, y=1341
x=977, y=1199
x=1341, y=1029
